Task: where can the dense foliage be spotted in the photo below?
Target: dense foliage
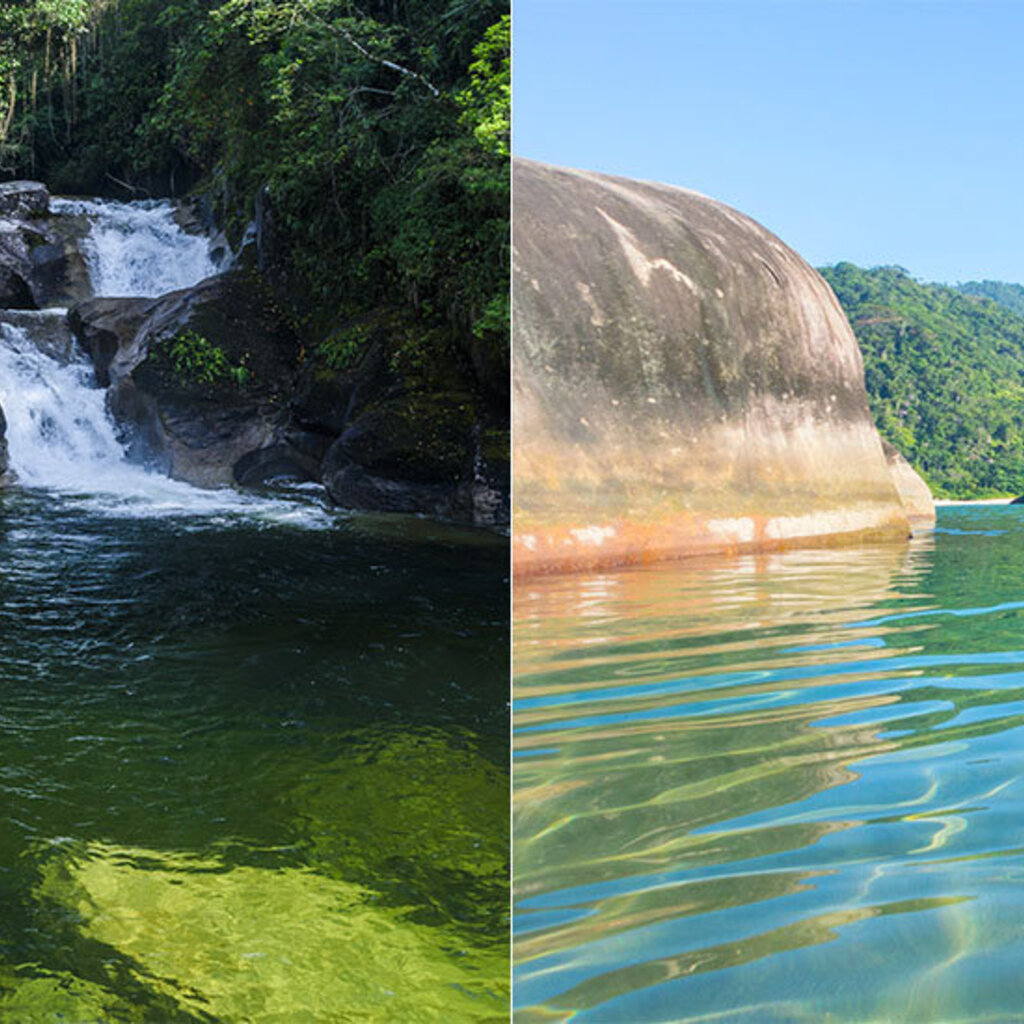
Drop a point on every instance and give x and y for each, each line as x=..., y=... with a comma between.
x=945, y=377
x=1009, y=295
x=371, y=141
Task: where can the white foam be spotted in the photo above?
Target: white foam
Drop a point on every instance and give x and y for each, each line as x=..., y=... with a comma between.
x=61, y=438
x=138, y=249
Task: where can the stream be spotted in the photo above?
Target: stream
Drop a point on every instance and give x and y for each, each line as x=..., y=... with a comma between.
x=253, y=750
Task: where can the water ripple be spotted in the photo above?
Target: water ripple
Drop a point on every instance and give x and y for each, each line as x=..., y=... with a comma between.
x=744, y=787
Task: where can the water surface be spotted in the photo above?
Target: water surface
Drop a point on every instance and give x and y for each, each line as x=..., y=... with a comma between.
x=250, y=771
x=781, y=787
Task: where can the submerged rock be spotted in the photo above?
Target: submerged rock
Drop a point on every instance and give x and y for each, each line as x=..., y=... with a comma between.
x=32, y=995
x=683, y=381
x=249, y=943
x=419, y=817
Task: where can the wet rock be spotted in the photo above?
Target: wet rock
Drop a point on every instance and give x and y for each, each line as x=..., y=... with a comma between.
x=16, y=265
x=280, y=462
x=194, y=411
x=106, y=329
x=24, y=199
x=59, y=275
x=41, y=264
x=380, y=434
x=48, y=329
x=4, y=456
x=684, y=382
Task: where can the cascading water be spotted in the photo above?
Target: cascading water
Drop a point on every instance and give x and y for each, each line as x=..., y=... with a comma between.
x=60, y=435
x=138, y=249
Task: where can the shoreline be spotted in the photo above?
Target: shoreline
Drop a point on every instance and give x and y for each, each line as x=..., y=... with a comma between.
x=952, y=502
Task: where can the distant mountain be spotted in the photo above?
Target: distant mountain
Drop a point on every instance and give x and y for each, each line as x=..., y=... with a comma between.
x=944, y=369
x=1009, y=295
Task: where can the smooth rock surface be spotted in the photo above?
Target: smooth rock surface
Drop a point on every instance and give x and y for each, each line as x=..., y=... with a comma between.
x=683, y=382
x=40, y=263
x=913, y=491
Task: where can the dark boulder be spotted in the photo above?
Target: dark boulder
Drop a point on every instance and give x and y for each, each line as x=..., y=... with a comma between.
x=4, y=457
x=41, y=263
x=16, y=265
x=199, y=377
x=406, y=415
x=107, y=328
x=24, y=199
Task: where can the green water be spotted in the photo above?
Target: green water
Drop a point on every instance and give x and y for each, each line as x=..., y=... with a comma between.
x=250, y=771
x=777, y=788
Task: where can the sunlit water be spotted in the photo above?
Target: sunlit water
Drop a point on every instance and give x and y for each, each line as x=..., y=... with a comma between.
x=253, y=751
x=778, y=788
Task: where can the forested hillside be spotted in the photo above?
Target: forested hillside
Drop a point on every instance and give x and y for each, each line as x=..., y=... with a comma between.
x=376, y=135
x=1009, y=295
x=945, y=376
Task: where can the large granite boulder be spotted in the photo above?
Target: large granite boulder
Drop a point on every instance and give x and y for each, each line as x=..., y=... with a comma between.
x=683, y=382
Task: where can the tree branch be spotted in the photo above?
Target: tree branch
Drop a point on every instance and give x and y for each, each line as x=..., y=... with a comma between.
x=353, y=42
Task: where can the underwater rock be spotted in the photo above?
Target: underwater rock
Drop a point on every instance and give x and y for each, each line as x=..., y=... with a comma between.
x=34, y=996
x=421, y=818
x=246, y=943
x=684, y=383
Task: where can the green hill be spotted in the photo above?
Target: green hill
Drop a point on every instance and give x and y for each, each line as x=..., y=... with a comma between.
x=1009, y=295
x=945, y=376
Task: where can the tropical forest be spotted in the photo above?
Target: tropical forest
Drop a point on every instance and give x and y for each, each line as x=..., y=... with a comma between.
x=944, y=369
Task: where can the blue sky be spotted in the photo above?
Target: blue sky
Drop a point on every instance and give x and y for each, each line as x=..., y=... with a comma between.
x=873, y=131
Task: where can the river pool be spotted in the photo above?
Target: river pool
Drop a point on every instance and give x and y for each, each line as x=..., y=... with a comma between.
x=253, y=763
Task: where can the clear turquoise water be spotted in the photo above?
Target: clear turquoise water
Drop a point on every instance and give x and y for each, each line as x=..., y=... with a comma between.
x=250, y=771
x=787, y=787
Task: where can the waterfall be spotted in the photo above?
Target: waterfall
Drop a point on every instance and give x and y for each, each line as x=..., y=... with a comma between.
x=60, y=435
x=138, y=249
